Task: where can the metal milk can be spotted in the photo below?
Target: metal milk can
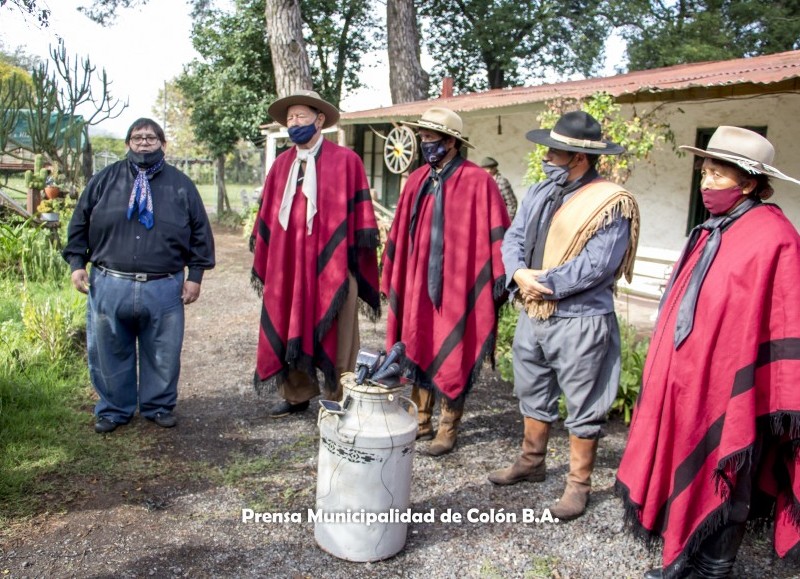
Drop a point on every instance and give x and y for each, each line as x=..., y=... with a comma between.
x=364, y=471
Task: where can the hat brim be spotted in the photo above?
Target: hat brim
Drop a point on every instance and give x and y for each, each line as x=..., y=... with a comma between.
x=746, y=164
x=439, y=129
x=279, y=109
x=542, y=137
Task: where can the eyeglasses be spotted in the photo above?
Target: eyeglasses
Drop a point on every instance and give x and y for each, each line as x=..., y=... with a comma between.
x=149, y=139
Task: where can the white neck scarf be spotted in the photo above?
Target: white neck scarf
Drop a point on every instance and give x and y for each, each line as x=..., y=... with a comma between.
x=309, y=186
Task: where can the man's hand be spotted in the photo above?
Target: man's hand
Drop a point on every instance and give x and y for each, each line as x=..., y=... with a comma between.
x=529, y=286
x=80, y=279
x=191, y=291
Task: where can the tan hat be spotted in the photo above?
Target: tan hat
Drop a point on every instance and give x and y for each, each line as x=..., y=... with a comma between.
x=278, y=109
x=743, y=148
x=441, y=120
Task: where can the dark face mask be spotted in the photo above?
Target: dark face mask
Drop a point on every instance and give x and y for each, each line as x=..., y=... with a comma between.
x=302, y=134
x=557, y=173
x=145, y=160
x=433, y=151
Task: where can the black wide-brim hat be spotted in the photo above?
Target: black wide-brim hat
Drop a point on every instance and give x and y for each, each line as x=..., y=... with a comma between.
x=577, y=132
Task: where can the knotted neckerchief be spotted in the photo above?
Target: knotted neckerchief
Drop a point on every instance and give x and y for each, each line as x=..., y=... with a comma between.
x=539, y=226
x=309, y=187
x=434, y=184
x=715, y=225
x=141, y=195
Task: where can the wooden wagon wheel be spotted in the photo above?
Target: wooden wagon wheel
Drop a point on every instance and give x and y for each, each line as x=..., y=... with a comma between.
x=400, y=149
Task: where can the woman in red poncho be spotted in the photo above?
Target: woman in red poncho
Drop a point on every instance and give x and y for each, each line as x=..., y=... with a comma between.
x=716, y=432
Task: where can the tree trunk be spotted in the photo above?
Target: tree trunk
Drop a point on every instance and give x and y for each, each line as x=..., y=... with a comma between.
x=407, y=80
x=223, y=204
x=289, y=56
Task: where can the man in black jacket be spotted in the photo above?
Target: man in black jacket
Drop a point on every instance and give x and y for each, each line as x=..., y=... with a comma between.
x=140, y=222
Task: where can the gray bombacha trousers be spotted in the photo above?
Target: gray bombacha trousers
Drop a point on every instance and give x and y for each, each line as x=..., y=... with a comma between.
x=577, y=356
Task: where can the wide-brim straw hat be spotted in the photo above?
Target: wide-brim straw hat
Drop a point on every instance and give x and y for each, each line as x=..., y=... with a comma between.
x=278, y=109
x=576, y=132
x=744, y=148
x=443, y=121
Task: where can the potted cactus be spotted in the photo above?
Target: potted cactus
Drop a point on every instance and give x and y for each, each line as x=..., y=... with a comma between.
x=34, y=182
x=36, y=179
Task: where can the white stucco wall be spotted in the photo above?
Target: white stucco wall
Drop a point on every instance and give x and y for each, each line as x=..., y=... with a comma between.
x=662, y=183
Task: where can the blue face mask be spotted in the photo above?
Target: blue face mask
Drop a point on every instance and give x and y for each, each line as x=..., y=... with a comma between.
x=556, y=173
x=433, y=151
x=302, y=134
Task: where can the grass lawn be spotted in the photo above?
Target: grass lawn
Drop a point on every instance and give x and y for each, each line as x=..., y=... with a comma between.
x=209, y=194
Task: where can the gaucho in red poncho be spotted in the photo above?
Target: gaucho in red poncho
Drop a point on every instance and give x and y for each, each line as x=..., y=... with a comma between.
x=443, y=273
x=314, y=250
x=716, y=432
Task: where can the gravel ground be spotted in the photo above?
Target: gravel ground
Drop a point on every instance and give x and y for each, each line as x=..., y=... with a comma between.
x=181, y=515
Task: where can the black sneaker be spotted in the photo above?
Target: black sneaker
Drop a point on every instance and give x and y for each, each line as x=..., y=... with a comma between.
x=284, y=408
x=104, y=425
x=164, y=419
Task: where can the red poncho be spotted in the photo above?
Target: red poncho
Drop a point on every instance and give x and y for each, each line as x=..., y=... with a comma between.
x=303, y=278
x=732, y=387
x=447, y=347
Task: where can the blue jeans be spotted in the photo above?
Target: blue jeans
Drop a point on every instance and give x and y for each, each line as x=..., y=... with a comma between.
x=121, y=315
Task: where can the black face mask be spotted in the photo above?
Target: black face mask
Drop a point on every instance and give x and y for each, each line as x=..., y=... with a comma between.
x=145, y=160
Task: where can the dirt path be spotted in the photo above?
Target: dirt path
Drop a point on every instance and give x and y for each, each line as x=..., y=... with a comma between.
x=180, y=515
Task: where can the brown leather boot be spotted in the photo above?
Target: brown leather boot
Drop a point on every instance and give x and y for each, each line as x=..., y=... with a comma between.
x=572, y=504
x=424, y=400
x=530, y=464
x=448, y=427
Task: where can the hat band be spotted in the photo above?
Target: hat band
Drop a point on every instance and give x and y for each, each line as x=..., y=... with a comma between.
x=585, y=143
x=438, y=128
x=734, y=154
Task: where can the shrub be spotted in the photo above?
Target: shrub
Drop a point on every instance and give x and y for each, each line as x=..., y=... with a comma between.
x=634, y=351
x=56, y=323
x=30, y=252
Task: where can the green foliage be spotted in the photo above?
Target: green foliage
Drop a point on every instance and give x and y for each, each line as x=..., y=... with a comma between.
x=500, y=43
x=639, y=135
x=173, y=104
x=47, y=119
x=231, y=219
x=669, y=33
x=338, y=35
x=249, y=222
x=506, y=326
x=634, y=351
x=111, y=145
x=42, y=390
x=55, y=324
x=231, y=87
x=30, y=252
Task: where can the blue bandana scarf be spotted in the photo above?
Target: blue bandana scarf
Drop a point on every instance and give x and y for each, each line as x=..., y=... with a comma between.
x=141, y=195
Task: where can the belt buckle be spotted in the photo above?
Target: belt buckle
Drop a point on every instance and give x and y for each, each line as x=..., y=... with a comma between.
x=140, y=276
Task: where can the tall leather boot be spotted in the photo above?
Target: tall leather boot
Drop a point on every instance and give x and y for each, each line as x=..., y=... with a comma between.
x=530, y=464
x=448, y=427
x=717, y=554
x=424, y=400
x=582, y=452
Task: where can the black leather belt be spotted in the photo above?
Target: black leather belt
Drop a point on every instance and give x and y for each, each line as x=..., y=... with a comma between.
x=132, y=276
